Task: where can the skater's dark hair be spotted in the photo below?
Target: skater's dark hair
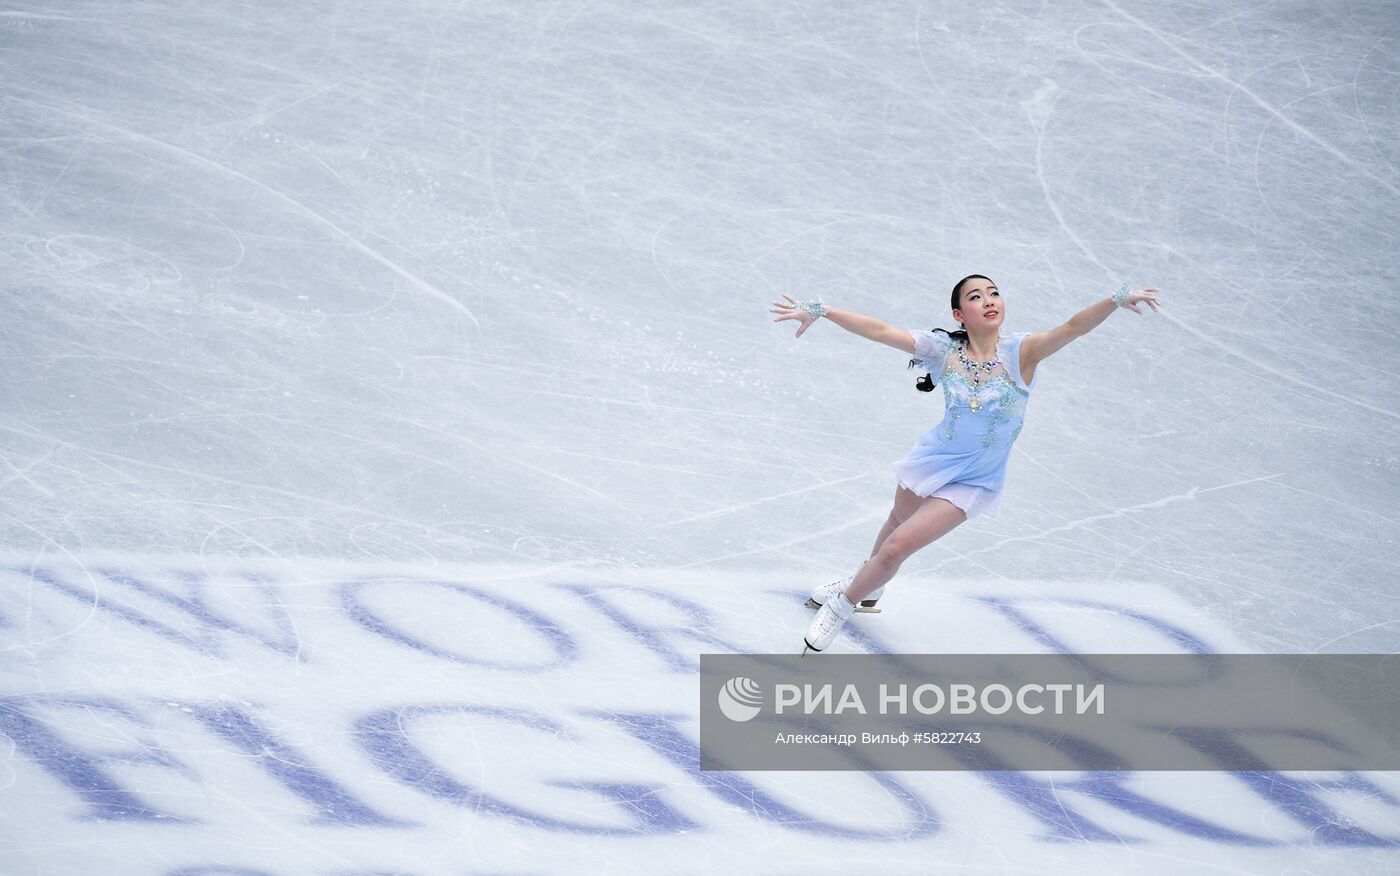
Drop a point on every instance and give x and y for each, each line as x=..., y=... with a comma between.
x=928, y=382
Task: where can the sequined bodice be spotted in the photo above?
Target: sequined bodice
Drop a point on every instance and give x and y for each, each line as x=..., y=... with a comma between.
x=983, y=404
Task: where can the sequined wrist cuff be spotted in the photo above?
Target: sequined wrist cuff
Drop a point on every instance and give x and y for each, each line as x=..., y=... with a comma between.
x=814, y=307
x=1120, y=296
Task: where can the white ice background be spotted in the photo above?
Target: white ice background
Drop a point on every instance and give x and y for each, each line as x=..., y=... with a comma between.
x=463, y=298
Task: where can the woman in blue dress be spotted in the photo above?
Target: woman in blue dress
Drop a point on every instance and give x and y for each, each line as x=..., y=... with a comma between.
x=957, y=469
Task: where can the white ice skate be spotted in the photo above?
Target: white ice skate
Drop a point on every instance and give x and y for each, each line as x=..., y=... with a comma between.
x=823, y=594
x=828, y=622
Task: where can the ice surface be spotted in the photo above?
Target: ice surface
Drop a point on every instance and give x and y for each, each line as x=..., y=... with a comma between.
x=477, y=293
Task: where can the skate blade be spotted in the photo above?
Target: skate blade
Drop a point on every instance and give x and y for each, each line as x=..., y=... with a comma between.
x=863, y=608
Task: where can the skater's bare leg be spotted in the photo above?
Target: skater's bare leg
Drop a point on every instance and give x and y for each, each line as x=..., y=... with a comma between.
x=935, y=518
x=906, y=502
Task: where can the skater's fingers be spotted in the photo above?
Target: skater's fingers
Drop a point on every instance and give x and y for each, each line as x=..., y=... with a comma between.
x=788, y=306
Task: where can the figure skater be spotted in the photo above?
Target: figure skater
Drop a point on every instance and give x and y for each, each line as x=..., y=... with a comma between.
x=957, y=468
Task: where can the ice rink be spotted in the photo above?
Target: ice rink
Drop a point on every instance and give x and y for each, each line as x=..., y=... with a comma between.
x=391, y=415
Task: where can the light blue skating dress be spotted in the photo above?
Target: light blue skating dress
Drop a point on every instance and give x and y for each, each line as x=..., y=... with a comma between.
x=963, y=459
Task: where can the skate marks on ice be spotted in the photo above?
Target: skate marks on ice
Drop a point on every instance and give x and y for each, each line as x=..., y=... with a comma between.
x=359, y=718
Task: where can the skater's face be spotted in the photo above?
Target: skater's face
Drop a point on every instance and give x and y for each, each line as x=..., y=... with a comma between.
x=981, y=305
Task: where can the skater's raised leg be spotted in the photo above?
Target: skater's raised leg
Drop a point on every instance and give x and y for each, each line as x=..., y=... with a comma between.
x=906, y=502
x=935, y=518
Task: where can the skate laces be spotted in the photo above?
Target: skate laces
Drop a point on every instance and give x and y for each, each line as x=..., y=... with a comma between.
x=829, y=621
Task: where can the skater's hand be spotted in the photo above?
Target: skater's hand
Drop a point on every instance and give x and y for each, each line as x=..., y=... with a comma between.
x=789, y=309
x=1142, y=295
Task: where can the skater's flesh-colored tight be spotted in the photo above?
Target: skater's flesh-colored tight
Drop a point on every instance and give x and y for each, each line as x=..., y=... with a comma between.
x=914, y=523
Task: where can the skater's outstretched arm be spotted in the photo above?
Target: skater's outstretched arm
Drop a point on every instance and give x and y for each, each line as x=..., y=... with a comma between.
x=857, y=323
x=1042, y=345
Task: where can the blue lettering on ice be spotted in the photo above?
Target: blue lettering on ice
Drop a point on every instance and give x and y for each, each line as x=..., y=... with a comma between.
x=198, y=608
x=384, y=737
x=1004, y=604
x=1294, y=796
x=137, y=618
x=334, y=803
x=195, y=607
x=82, y=771
x=1045, y=800
x=1007, y=606
x=696, y=629
x=661, y=733
x=565, y=648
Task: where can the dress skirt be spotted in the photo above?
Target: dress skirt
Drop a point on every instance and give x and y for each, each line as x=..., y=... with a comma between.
x=974, y=501
x=915, y=474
